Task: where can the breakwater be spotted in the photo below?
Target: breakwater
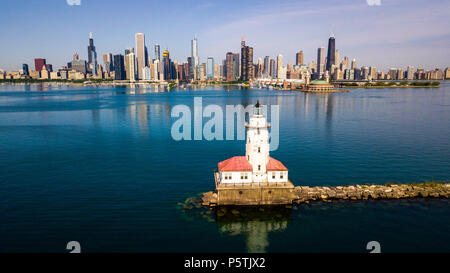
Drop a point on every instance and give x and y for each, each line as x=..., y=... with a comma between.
x=306, y=194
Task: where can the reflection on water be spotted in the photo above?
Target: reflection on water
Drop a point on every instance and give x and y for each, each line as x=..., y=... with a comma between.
x=255, y=223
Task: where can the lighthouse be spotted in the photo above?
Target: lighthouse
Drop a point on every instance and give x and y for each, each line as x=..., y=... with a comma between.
x=257, y=145
x=255, y=178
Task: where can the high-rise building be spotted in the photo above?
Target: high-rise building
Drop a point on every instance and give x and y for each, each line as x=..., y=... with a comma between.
x=167, y=66
x=130, y=66
x=119, y=69
x=273, y=69
x=236, y=64
x=299, y=58
x=266, y=70
x=336, y=61
x=157, y=52
x=320, y=61
x=194, y=53
x=410, y=73
x=279, y=65
x=353, y=66
x=246, y=62
x=229, y=67
x=141, y=54
x=108, y=62
x=25, y=69
x=39, y=63
x=92, y=56
x=210, y=68
x=331, y=55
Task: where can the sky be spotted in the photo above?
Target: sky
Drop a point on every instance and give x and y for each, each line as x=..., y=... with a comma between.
x=395, y=33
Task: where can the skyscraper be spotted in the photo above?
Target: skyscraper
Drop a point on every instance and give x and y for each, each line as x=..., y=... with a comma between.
x=167, y=65
x=92, y=56
x=141, y=55
x=320, y=61
x=119, y=69
x=210, y=68
x=108, y=62
x=299, y=58
x=39, y=63
x=266, y=70
x=279, y=65
x=194, y=53
x=130, y=66
x=331, y=55
x=246, y=62
x=273, y=70
x=229, y=67
x=25, y=69
x=157, y=52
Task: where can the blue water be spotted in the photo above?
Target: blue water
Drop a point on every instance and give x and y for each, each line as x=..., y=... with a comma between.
x=99, y=166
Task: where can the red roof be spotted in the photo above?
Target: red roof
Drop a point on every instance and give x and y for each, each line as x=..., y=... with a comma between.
x=240, y=164
x=236, y=163
x=275, y=165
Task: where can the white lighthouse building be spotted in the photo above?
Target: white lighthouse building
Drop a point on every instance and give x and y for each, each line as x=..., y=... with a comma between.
x=256, y=167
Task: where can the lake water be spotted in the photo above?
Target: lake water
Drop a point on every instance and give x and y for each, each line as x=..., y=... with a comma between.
x=99, y=166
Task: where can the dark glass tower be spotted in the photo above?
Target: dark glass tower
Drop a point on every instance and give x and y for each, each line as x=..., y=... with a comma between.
x=92, y=56
x=331, y=56
x=25, y=70
x=119, y=68
x=246, y=62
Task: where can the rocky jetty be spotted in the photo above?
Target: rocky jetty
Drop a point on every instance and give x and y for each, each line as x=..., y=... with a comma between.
x=305, y=194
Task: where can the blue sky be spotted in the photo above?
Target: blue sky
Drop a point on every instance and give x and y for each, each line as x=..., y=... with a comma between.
x=396, y=33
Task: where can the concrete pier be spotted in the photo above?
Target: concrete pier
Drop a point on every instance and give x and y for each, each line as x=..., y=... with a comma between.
x=305, y=194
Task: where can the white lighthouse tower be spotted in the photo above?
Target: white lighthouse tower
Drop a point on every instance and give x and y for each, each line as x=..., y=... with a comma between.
x=257, y=146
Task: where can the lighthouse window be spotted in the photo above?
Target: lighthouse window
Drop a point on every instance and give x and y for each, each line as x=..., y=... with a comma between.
x=259, y=149
x=281, y=175
x=273, y=175
x=259, y=167
x=258, y=131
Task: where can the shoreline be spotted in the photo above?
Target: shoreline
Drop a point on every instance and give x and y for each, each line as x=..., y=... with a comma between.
x=307, y=194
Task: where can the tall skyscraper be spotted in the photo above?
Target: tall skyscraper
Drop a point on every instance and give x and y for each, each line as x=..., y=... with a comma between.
x=273, y=69
x=331, y=55
x=130, y=66
x=119, y=69
x=299, y=58
x=157, y=52
x=108, y=62
x=141, y=54
x=266, y=70
x=25, y=70
x=279, y=65
x=92, y=56
x=336, y=61
x=194, y=53
x=167, y=65
x=353, y=64
x=320, y=61
x=210, y=68
x=230, y=67
x=39, y=63
x=246, y=62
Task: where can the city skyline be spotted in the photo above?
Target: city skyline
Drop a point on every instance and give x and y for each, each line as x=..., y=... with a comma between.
x=420, y=46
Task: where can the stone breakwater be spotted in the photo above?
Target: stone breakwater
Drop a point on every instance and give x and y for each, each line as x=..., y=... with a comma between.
x=305, y=194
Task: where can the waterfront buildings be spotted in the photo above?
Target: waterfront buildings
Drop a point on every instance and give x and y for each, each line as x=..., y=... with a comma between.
x=130, y=67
